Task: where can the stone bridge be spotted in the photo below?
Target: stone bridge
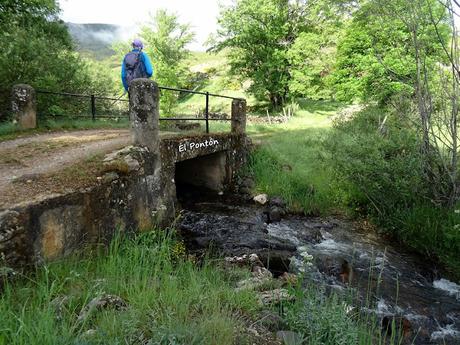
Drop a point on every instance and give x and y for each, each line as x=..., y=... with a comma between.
x=137, y=191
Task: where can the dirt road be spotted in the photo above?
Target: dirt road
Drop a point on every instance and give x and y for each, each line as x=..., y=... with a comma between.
x=45, y=153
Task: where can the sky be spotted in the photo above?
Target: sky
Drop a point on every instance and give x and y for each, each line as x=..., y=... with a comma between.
x=201, y=14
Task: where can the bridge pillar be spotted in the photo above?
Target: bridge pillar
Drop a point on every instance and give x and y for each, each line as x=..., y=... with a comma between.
x=238, y=116
x=144, y=113
x=24, y=106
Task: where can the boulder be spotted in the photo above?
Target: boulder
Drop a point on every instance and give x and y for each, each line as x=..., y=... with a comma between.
x=260, y=277
x=261, y=272
x=253, y=283
x=250, y=260
x=109, y=177
x=102, y=302
x=277, y=201
x=288, y=278
x=261, y=199
x=275, y=296
x=275, y=214
x=289, y=337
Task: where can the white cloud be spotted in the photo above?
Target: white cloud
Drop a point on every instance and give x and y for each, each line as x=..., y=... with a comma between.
x=201, y=14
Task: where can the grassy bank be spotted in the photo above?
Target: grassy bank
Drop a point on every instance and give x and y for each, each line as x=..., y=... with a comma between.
x=290, y=160
x=351, y=168
x=169, y=299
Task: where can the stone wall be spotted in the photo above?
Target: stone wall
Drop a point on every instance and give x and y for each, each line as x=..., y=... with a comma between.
x=57, y=225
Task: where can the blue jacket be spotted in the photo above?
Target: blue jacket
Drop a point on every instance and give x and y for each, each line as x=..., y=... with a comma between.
x=148, y=67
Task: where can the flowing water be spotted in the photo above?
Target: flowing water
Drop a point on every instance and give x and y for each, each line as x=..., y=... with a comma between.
x=396, y=284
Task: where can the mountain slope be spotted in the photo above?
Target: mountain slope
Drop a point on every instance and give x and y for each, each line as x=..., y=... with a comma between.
x=96, y=40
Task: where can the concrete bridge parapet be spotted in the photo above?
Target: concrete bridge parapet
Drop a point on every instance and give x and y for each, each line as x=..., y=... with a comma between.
x=238, y=116
x=144, y=113
x=137, y=188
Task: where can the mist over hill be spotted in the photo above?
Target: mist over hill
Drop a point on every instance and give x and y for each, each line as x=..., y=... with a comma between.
x=96, y=39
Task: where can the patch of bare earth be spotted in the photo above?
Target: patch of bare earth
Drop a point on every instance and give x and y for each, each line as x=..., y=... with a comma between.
x=54, y=163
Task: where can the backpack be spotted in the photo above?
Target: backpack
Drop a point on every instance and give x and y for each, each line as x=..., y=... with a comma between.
x=134, y=66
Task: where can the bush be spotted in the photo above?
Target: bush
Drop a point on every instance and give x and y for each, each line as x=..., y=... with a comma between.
x=379, y=168
x=380, y=172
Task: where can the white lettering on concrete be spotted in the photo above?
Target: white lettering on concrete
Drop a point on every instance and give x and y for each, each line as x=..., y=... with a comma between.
x=197, y=145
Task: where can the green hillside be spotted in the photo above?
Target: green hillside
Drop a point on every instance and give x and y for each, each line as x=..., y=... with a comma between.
x=210, y=72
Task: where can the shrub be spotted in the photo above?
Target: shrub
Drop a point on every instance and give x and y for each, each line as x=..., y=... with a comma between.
x=378, y=166
x=380, y=171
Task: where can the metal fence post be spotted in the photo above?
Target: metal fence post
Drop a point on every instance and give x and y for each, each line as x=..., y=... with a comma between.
x=207, y=112
x=93, y=107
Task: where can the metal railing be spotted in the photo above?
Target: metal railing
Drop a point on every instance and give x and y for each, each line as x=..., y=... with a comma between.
x=94, y=98
x=92, y=102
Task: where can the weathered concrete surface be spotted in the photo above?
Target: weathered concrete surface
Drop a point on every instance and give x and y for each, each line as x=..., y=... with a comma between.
x=238, y=116
x=144, y=113
x=58, y=225
x=179, y=153
x=24, y=106
x=60, y=229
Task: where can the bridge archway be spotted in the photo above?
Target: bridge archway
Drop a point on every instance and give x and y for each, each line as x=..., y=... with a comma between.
x=208, y=172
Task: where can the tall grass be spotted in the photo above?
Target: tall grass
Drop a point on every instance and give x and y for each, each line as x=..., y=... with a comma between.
x=352, y=168
x=170, y=300
x=322, y=315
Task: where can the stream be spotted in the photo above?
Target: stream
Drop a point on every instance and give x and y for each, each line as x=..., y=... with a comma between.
x=398, y=285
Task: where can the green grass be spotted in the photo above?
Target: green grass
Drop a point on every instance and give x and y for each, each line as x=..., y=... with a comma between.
x=170, y=299
x=431, y=231
x=290, y=159
x=293, y=160
x=10, y=131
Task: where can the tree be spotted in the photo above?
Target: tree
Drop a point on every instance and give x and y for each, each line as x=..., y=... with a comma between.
x=166, y=43
x=376, y=60
x=312, y=56
x=37, y=50
x=405, y=55
x=259, y=34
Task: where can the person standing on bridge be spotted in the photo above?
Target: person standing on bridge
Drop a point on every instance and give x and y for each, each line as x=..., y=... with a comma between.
x=136, y=64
